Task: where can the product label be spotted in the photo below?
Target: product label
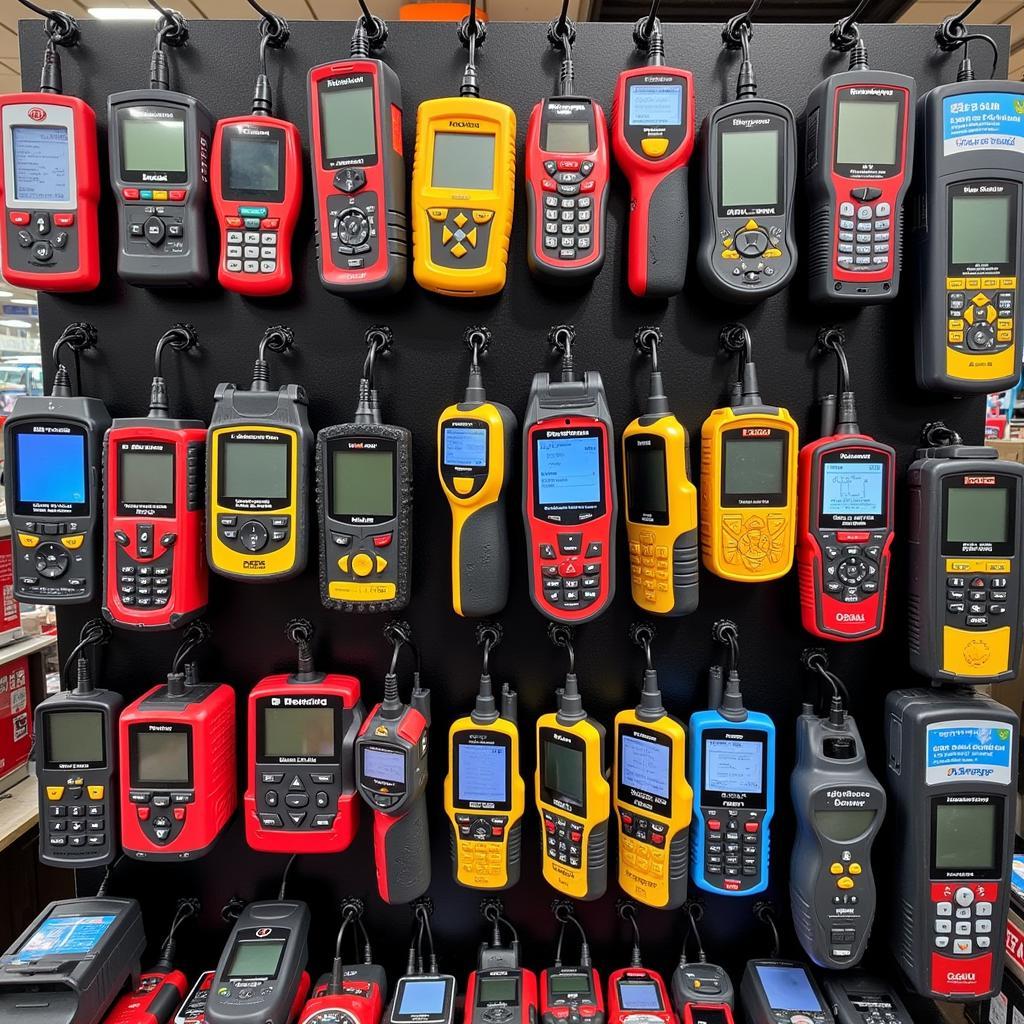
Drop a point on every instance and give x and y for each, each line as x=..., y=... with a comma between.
x=968, y=750
x=997, y=1009
x=983, y=120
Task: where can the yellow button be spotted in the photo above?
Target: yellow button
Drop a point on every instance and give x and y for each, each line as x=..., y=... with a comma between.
x=482, y=216
x=846, y=882
x=95, y=792
x=954, y=284
x=654, y=147
x=772, y=254
x=969, y=314
x=461, y=220
x=54, y=792
x=956, y=337
x=730, y=254
x=855, y=868
x=751, y=225
x=362, y=564
x=471, y=237
x=446, y=234
x=981, y=299
x=965, y=565
x=972, y=282
x=160, y=195
x=955, y=325
x=1005, y=324
x=343, y=563
x=28, y=540
x=458, y=250
x=696, y=982
x=1004, y=335
x=990, y=282
x=836, y=868
x=381, y=563
x=727, y=243
x=1007, y=282
x=997, y=567
x=73, y=542
x=990, y=314
x=462, y=484
x=437, y=212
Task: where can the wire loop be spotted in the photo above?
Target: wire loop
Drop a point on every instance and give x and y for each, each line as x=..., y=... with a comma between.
x=739, y=29
x=642, y=634
x=61, y=28
x=845, y=34
x=171, y=28
x=937, y=435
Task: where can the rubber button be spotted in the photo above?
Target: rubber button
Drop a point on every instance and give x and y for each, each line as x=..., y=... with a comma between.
x=654, y=147
x=362, y=564
x=462, y=484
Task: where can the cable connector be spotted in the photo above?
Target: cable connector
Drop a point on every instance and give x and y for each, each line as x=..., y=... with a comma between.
x=570, y=703
x=478, y=340
x=300, y=633
x=727, y=633
x=488, y=635
x=651, y=707
x=764, y=911
x=735, y=338
x=181, y=338
x=562, y=339
x=626, y=909
x=278, y=339
x=379, y=342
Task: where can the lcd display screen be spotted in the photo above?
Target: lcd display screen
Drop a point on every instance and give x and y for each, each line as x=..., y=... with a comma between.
x=482, y=769
x=755, y=467
x=787, y=988
x=254, y=165
x=646, y=478
x=153, y=144
x=162, y=757
x=254, y=469
x=981, y=229
x=843, y=826
x=853, y=489
x=74, y=737
x=733, y=766
x=255, y=959
x=363, y=484
x=422, y=997
x=298, y=732
x=498, y=990
x=64, y=936
x=51, y=468
x=42, y=163
x=386, y=765
x=569, y=471
x=563, y=771
x=644, y=765
x=347, y=123
x=463, y=160
x=465, y=446
x=639, y=995
x=563, y=984
x=750, y=168
x=965, y=837
x=977, y=514
x=868, y=132
x=655, y=105
x=567, y=137
x=146, y=478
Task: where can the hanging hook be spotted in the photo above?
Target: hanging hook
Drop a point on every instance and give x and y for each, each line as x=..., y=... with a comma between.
x=171, y=27
x=642, y=633
x=646, y=341
x=726, y=632
x=647, y=29
x=845, y=34
x=77, y=336
x=478, y=341
x=181, y=337
x=61, y=28
x=196, y=632
x=273, y=28
x=953, y=34
x=562, y=30
x=379, y=340
x=94, y=633
x=489, y=635
x=739, y=29
x=561, y=636
x=937, y=435
x=833, y=339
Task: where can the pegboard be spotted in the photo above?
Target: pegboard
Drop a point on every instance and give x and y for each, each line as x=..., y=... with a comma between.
x=425, y=372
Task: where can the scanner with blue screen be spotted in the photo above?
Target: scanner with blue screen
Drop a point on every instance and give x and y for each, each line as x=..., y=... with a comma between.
x=781, y=991
x=423, y=995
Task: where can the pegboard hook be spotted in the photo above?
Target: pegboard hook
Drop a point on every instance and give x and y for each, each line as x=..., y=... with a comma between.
x=739, y=29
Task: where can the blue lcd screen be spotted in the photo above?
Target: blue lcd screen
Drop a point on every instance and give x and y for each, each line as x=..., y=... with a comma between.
x=852, y=489
x=51, y=469
x=386, y=765
x=639, y=995
x=425, y=997
x=645, y=767
x=787, y=988
x=482, y=773
x=733, y=766
x=64, y=936
x=653, y=105
x=569, y=471
x=465, y=446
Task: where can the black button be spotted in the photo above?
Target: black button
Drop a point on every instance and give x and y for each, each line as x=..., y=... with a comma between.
x=547, y=552
x=570, y=543
x=594, y=550
x=297, y=800
x=43, y=252
x=175, y=231
x=154, y=228
x=253, y=535
x=24, y=239
x=60, y=240
x=865, y=194
x=349, y=179
x=42, y=223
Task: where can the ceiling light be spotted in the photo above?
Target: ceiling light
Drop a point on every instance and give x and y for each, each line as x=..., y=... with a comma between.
x=124, y=13
x=14, y=323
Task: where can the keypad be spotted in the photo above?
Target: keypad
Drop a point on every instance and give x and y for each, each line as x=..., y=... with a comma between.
x=568, y=210
x=851, y=564
x=304, y=801
x=154, y=218
x=962, y=919
x=250, y=241
x=75, y=817
x=571, y=574
x=462, y=231
x=481, y=849
x=864, y=232
x=161, y=813
x=977, y=601
x=650, y=565
x=563, y=839
x=51, y=558
x=755, y=540
x=251, y=533
x=42, y=239
x=980, y=313
x=643, y=844
x=144, y=581
x=732, y=847
x=751, y=248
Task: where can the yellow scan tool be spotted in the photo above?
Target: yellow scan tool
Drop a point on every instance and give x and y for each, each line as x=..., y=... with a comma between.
x=474, y=459
x=748, y=474
x=484, y=792
x=572, y=790
x=661, y=501
x=653, y=800
x=463, y=193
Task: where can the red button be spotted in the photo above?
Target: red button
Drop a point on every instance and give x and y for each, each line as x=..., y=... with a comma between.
x=575, y=836
x=20, y=217
x=750, y=826
x=627, y=819
x=548, y=184
x=179, y=813
x=549, y=825
x=177, y=195
x=130, y=193
x=588, y=186
x=382, y=540
x=63, y=220
x=496, y=830
x=715, y=825
x=143, y=814
x=568, y=165
x=270, y=223
x=233, y=222
x=588, y=1011
x=561, y=1012
x=657, y=839
x=569, y=568
x=853, y=538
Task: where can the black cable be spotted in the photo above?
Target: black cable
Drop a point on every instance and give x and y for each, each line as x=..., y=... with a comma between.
x=108, y=875
x=564, y=914
x=627, y=912
x=561, y=636
x=694, y=913
x=94, y=633
x=952, y=34
x=423, y=913
x=765, y=913
x=77, y=336
x=937, y=435
x=284, y=876
x=196, y=632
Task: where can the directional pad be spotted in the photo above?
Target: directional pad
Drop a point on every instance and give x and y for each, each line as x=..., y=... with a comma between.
x=461, y=233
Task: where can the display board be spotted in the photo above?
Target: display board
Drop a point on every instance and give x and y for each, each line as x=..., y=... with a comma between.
x=424, y=373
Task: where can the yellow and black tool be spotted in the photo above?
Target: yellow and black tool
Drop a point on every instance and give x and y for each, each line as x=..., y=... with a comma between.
x=653, y=801
x=748, y=473
x=474, y=462
x=484, y=793
x=661, y=501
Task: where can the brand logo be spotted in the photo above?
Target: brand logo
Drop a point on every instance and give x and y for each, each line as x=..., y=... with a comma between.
x=381, y=730
x=567, y=433
x=854, y=455
x=369, y=520
x=335, y=83
x=463, y=124
x=36, y=114
x=153, y=727
x=301, y=702
x=657, y=78
x=356, y=445
x=262, y=933
x=979, y=481
x=141, y=112
x=850, y=617
x=245, y=130
x=153, y=177
x=970, y=977
x=566, y=109
x=749, y=122
x=871, y=92
x=756, y=432
x=254, y=563
x=968, y=772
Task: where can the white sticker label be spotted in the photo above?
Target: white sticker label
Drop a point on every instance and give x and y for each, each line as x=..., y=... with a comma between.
x=969, y=749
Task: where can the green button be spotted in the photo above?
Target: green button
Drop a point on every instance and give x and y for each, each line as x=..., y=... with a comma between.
x=252, y=211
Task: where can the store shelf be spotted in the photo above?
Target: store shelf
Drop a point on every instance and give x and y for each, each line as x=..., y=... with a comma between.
x=19, y=811
x=30, y=645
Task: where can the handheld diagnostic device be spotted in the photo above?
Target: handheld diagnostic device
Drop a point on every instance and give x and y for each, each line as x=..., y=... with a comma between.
x=747, y=249
x=423, y=995
x=653, y=801
x=859, y=150
x=154, y=566
x=300, y=795
x=845, y=498
x=356, y=149
x=474, y=464
x=484, y=792
x=571, y=992
x=261, y=975
x=52, y=479
x=860, y=999
x=636, y=994
x=572, y=789
x=702, y=992
x=463, y=186
x=193, y=1009
x=72, y=961
x=661, y=501
x=364, y=499
x=952, y=779
x=839, y=809
x=567, y=170
x=50, y=179
x=500, y=989
x=177, y=762
x=776, y=991
x=160, y=172
x=76, y=765
x=748, y=474
x=653, y=130
x=391, y=776
x=256, y=184
x=569, y=496
x=258, y=454
x=967, y=235
x=732, y=765
x=966, y=583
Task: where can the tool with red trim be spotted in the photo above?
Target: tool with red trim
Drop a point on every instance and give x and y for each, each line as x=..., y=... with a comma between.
x=636, y=994
x=500, y=989
x=50, y=178
x=193, y=1009
x=391, y=775
x=571, y=992
x=701, y=991
x=845, y=486
x=256, y=183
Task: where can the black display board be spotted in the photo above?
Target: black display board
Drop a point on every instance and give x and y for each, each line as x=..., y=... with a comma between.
x=426, y=371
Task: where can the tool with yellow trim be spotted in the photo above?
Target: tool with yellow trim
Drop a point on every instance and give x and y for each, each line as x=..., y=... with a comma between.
x=364, y=498
x=661, y=501
x=839, y=809
x=653, y=801
x=463, y=184
x=748, y=475
x=257, y=449
x=969, y=236
x=966, y=584
x=572, y=789
x=484, y=793
x=76, y=764
x=52, y=480
x=474, y=462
